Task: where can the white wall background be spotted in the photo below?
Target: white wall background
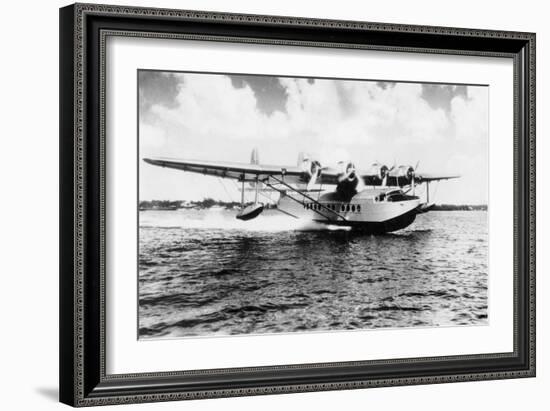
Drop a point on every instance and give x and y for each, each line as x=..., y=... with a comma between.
x=29, y=205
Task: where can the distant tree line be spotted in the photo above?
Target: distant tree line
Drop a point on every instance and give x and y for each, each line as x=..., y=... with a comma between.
x=159, y=204
x=198, y=204
x=210, y=202
x=459, y=207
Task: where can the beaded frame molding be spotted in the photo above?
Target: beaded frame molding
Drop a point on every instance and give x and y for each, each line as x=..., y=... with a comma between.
x=83, y=32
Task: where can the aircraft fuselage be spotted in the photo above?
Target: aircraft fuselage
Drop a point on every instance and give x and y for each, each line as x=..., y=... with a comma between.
x=371, y=210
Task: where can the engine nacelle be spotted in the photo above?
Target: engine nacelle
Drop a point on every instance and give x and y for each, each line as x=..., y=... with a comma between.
x=348, y=181
x=312, y=170
x=403, y=174
x=377, y=172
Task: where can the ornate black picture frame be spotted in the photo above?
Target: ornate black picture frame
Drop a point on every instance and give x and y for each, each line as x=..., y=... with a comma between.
x=83, y=30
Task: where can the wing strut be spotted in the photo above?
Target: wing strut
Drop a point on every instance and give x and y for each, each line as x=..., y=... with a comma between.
x=304, y=195
x=283, y=192
x=427, y=192
x=242, y=195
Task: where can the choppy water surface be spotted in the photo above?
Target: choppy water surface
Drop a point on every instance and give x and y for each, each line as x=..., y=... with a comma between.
x=205, y=273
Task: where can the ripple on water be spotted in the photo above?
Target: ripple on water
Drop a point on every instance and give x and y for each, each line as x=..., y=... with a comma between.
x=199, y=279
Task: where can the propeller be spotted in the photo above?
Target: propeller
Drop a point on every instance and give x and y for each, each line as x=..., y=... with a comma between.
x=377, y=174
x=349, y=183
x=406, y=172
x=385, y=178
x=414, y=177
x=347, y=171
x=314, y=171
x=410, y=174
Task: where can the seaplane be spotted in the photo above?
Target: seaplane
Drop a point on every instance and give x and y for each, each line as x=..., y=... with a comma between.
x=377, y=200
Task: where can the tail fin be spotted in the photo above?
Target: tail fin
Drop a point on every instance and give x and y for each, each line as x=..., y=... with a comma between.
x=254, y=156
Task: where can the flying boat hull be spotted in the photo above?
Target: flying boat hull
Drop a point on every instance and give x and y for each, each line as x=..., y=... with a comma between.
x=362, y=211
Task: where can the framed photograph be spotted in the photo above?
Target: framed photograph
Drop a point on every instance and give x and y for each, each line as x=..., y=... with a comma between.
x=261, y=204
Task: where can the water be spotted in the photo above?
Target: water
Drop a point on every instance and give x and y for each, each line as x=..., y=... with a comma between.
x=204, y=273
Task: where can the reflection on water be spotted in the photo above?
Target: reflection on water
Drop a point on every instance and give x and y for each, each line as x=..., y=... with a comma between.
x=206, y=273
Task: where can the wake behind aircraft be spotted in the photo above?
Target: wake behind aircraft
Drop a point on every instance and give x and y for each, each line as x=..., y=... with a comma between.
x=377, y=200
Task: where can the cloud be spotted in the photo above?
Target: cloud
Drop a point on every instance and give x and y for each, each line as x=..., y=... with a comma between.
x=224, y=117
x=441, y=95
x=157, y=87
x=151, y=137
x=210, y=106
x=361, y=112
x=470, y=116
x=270, y=94
x=348, y=111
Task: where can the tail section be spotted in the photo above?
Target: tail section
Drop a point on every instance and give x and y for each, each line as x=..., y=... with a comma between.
x=254, y=156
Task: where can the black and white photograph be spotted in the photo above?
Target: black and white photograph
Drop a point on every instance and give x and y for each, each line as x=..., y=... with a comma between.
x=273, y=206
x=276, y=204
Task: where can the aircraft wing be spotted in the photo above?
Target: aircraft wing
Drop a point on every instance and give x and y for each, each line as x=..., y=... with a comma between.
x=428, y=177
x=242, y=171
x=393, y=181
x=292, y=174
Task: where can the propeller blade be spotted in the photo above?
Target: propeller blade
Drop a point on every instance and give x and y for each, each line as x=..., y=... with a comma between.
x=316, y=170
x=312, y=181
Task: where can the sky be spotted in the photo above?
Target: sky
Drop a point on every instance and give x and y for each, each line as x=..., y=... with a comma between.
x=203, y=116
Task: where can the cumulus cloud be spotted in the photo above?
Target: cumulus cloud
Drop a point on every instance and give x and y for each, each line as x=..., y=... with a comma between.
x=220, y=117
x=347, y=111
x=470, y=115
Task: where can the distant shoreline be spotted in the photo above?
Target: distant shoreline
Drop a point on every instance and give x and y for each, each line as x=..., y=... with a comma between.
x=459, y=207
x=207, y=203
